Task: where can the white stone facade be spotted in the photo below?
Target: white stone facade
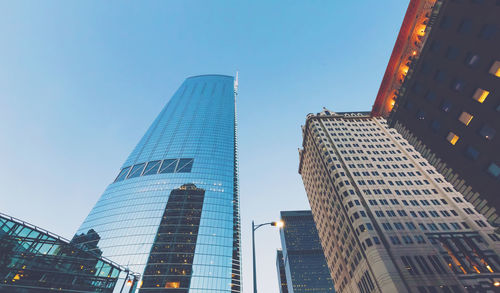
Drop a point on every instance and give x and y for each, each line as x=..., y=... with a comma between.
x=387, y=220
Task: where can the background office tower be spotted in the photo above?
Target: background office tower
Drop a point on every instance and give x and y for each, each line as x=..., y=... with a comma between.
x=35, y=260
x=280, y=266
x=443, y=79
x=304, y=261
x=387, y=220
x=172, y=213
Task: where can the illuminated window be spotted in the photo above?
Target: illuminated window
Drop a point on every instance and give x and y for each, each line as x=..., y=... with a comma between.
x=480, y=95
x=173, y=285
x=495, y=69
x=452, y=138
x=465, y=118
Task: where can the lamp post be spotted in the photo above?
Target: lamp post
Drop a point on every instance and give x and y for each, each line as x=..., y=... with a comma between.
x=278, y=224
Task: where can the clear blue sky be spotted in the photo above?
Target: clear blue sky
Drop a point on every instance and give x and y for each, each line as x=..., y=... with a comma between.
x=80, y=82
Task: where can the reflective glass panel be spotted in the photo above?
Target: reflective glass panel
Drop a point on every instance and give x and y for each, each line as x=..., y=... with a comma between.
x=122, y=174
x=152, y=168
x=136, y=171
x=184, y=166
x=168, y=166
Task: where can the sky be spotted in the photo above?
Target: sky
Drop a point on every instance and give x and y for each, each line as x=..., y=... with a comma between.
x=81, y=81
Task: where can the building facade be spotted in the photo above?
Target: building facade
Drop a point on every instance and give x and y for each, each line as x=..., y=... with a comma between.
x=280, y=268
x=441, y=91
x=387, y=220
x=35, y=260
x=172, y=213
x=303, y=258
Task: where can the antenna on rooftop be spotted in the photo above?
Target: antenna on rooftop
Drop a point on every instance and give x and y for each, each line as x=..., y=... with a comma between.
x=236, y=83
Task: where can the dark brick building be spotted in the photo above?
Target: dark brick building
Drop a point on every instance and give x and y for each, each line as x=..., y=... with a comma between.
x=441, y=91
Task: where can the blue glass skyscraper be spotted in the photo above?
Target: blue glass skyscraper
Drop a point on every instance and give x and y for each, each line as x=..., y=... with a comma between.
x=172, y=213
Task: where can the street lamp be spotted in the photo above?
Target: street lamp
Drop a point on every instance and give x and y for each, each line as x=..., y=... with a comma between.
x=280, y=224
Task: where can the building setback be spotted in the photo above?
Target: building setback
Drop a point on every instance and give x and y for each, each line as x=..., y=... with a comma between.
x=172, y=213
x=387, y=220
x=303, y=258
x=441, y=91
x=280, y=268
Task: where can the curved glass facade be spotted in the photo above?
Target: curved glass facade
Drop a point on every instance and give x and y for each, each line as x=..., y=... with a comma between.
x=185, y=161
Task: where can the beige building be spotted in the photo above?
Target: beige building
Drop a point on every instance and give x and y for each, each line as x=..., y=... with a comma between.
x=387, y=220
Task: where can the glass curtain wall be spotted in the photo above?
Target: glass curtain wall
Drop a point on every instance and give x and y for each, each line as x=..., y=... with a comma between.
x=191, y=144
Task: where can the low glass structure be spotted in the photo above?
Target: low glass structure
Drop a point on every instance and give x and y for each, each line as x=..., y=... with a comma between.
x=35, y=260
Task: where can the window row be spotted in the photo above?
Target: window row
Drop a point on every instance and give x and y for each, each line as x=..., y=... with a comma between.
x=182, y=165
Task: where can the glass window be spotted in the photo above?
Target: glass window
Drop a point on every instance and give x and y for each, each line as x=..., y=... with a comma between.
x=452, y=138
x=136, y=170
x=418, y=88
x=487, y=31
x=168, y=166
x=472, y=59
x=445, y=22
x=452, y=53
x=440, y=76
x=480, y=95
x=465, y=26
x=435, y=45
x=426, y=68
x=184, y=166
x=494, y=170
x=435, y=125
x=409, y=105
x=495, y=69
x=465, y=118
x=430, y=96
x=123, y=174
x=421, y=115
x=471, y=153
x=487, y=132
x=446, y=106
x=457, y=85
x=152, y=168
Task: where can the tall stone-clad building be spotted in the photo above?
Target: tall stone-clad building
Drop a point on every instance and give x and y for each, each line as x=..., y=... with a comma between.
x=441, y=91
x=172, y=212
x=387, y=220
x=280, y=268
x=303, y=258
